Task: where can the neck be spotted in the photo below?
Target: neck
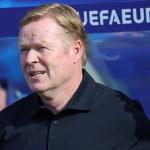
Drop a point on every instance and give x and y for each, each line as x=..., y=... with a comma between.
x=57, y=99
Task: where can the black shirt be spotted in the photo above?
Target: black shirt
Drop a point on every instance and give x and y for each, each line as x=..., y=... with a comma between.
x=96, y=118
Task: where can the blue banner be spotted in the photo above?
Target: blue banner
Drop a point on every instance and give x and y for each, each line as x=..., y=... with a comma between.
x=102, y=17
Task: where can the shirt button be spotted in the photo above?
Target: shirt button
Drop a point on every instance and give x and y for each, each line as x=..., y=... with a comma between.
x=55, y=122
x=53, y=138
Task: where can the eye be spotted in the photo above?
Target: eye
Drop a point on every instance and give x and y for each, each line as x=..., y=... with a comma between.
x=24, y=50
x=43, y=48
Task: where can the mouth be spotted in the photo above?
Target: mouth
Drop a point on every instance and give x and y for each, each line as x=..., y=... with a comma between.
x=36, y=73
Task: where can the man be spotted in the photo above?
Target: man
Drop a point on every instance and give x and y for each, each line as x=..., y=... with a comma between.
x=3, y=93
x=67, y=110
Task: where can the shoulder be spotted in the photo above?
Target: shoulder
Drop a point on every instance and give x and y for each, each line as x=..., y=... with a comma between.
x=118, y=102
x=108, y=100
x=118, y=107
x=103, y=97
x=12, y=112
x=115, y=98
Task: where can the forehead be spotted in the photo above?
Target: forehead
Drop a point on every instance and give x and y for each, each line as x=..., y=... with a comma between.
x=42, y=28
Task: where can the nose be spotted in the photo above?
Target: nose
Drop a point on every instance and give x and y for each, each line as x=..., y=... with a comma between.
x=32, y=57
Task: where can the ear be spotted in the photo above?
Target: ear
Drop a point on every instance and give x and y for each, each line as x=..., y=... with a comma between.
x=77, y=51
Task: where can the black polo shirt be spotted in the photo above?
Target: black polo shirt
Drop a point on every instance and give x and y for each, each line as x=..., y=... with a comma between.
x=96, y=118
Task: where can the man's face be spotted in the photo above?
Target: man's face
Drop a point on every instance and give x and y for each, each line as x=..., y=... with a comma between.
x=3, y=98
x=46, y=58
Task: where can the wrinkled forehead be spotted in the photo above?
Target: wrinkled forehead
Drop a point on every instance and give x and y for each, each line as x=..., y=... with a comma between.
x=31, y=33
x=44, y=28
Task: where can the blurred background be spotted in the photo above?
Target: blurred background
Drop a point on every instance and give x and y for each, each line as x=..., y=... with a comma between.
x=118, y=55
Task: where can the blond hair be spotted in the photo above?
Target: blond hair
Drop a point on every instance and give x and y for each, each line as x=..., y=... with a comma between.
x=65, y=16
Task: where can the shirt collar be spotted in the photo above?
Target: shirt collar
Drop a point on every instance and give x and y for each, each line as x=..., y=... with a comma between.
x=35, y=104
x=81, y=100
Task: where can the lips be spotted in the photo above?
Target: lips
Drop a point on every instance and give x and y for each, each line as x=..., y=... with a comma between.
x=36, y=73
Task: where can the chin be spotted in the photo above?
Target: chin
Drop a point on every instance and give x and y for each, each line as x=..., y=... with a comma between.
x=37, y=89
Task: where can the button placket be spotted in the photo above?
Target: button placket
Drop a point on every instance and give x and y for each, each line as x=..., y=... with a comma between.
x=52, y=134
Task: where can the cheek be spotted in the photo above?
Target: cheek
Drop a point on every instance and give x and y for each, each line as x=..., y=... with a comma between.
x=64, y=65
x=22, y=62
x=3, y=94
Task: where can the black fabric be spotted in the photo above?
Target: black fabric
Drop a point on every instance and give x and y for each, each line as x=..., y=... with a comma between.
x=96, y=118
